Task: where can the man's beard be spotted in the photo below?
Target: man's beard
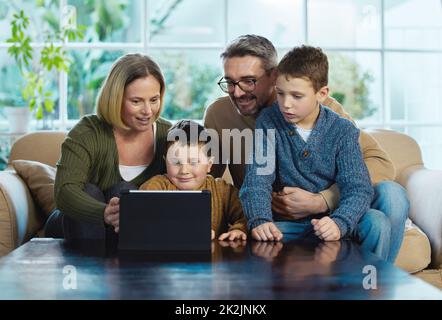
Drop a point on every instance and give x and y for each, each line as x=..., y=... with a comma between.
x=247, y=104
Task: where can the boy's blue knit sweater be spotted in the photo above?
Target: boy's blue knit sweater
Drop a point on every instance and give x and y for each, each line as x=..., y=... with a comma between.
x=331, y=155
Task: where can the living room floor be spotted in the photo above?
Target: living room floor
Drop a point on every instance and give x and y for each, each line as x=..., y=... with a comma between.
x=432, y=276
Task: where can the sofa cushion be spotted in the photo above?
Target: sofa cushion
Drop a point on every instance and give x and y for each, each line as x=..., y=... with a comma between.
x=41, y=146
x=415, y=252
x=19, y=220
x=40, y=179
x=402, y=149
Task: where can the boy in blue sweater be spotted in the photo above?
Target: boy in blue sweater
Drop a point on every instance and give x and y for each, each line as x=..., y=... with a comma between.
x=313, y=148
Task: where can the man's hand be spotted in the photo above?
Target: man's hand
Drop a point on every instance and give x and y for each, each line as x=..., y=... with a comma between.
x=295, y=203
x=233, y=235
x=112, y=213
x=266, y=232
x=212, y=235
x=326, y=229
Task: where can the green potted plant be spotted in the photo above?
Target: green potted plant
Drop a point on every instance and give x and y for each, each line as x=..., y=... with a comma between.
x=36, y=67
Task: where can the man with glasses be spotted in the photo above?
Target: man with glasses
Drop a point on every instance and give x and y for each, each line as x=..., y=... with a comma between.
x=249, y=63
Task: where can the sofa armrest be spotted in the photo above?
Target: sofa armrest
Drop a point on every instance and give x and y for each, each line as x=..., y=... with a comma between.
x=424, y=189
x=19, y=218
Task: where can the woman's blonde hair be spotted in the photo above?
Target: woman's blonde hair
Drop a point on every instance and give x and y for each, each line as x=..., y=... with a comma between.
x=125, y=70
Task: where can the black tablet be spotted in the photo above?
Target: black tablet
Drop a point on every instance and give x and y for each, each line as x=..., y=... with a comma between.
x=165, y=221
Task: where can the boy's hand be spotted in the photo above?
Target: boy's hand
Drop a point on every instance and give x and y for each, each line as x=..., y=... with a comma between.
x=327, y=252
x=326, y=229
x=266, y=232
x=233, y=235
x=213, y=235
x=232, y=244
x=267, y=250
x=112, y=213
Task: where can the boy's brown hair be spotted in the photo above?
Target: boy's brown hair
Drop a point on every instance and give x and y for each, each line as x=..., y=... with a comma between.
x=306, y=62
x=182, y=132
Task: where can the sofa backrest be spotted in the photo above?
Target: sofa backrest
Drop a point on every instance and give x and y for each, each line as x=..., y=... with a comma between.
x=45, y=146
x=41, y=146
x=402, y=149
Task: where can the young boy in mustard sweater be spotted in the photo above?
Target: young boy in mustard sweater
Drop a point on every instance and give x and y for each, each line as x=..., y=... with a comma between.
x=188, y=164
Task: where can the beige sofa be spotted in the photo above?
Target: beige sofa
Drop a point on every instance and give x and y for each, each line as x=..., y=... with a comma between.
x=20, y=219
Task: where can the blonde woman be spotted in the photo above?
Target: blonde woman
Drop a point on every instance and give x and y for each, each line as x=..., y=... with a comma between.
x=120, y=147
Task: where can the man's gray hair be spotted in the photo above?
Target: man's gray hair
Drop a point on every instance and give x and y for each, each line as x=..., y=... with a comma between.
x=252, y=45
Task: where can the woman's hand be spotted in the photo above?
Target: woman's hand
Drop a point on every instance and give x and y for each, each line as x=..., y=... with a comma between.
x=112, y=213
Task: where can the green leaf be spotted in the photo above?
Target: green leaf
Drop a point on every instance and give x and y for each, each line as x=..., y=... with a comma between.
x=39, y=113
x=14, y=30
x=32, y=103
x=28, y=54
x=49, y=105
x=27, y=92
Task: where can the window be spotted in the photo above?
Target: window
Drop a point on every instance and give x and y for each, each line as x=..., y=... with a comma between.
x=413, y=24
x=89, y=68
x=355, y=81
x=186, y=22
x=282, y=21
x=344, y=23
x=44, y=16
x=110, y=21
x=385, y=55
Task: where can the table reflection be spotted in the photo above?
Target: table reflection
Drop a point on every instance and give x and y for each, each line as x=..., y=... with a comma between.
x=232, y=270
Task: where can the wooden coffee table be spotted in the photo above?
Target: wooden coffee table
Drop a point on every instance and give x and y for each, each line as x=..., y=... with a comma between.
x=51, y=269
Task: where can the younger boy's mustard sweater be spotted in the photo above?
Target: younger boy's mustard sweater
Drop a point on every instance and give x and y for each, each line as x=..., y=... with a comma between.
x=227, y=213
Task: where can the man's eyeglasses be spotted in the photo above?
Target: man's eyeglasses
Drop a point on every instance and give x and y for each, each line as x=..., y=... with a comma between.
x=246, y=85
